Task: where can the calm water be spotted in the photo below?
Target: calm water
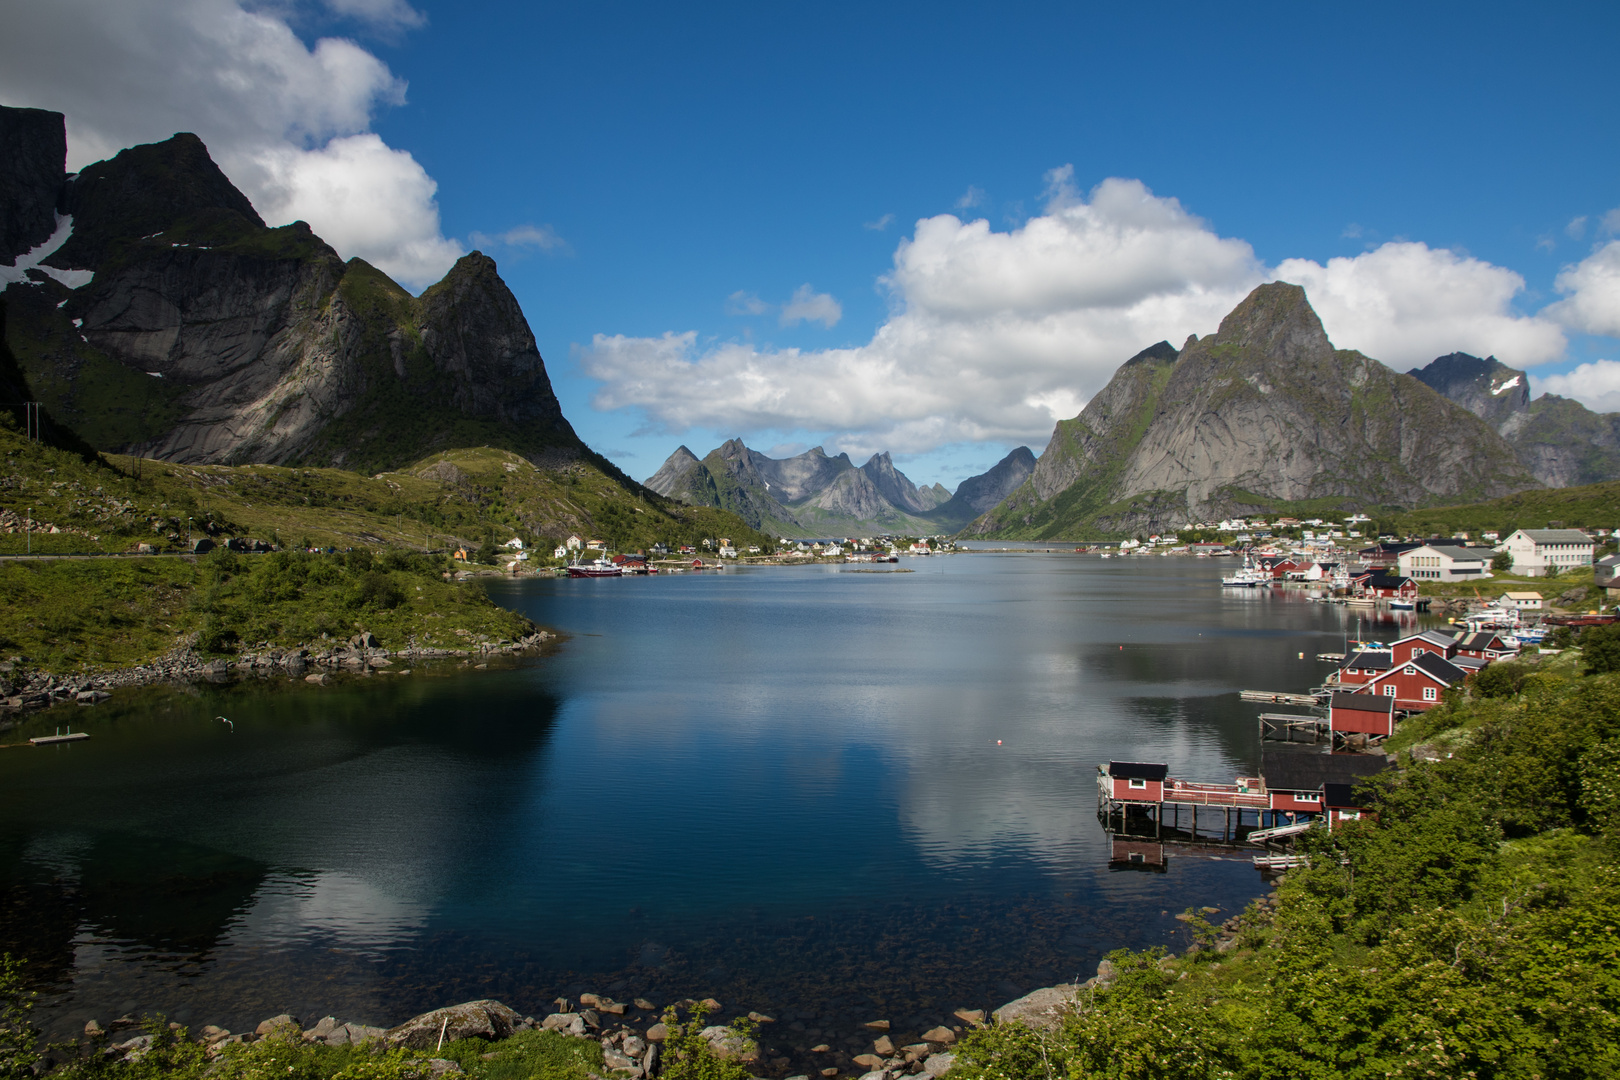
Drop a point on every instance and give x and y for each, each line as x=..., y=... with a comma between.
x=812, y=791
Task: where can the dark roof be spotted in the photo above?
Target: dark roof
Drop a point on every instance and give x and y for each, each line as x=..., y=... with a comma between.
x=1481, y=639
x=1304, y=771
x=1363, y=702
x=1433, y=637
x=1137, y=770
x=1374, y=659
x=1440, y=667
x=1339, y=795
x=1378, y=580
x=1462, y=554
x=1470, y=663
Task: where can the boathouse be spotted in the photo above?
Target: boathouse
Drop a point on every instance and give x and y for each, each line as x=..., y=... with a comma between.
x=1385, y=586
x=1364, y=666
x=1341, y=804
x=1429, y=641
x=1417, y=685
x=1483, y=645
x=1297, y=780
x=1136, y=781
x=1362, y=714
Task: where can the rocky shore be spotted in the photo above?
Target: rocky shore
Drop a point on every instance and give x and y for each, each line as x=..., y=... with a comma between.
x=23, y=692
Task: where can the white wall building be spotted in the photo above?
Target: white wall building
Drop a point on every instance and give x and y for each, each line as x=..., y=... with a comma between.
x=1522, y=601
x=1437, y=562
x=1534, y=550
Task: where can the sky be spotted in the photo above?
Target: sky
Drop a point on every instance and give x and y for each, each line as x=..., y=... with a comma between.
x=928, y=228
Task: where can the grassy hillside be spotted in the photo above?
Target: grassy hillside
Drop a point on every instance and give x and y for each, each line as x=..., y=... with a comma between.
x=453, y=498
x=1465, y=929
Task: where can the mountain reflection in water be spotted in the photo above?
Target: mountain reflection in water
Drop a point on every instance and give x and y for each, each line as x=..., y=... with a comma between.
x=796, y=789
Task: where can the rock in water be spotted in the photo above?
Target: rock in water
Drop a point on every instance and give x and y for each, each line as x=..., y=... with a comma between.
x=470, y=1020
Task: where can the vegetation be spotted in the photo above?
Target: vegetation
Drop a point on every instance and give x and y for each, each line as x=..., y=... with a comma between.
x=1465, y=929
x=528, y=1055
x=689, y=1056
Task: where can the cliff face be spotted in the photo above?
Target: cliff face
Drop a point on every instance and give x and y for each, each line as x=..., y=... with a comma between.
x=33, y=159
x=1561, y=442
x=204, y=336
x=1265, y=409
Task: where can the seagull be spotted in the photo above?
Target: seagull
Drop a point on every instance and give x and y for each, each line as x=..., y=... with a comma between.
x=232, y=726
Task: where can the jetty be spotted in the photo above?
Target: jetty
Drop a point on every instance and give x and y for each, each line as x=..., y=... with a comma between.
x=1278, y=697
x=59, y=737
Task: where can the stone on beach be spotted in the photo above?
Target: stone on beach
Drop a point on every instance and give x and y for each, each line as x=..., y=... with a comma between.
x=940, y=1035
x=939, y=1065
x=969, y=1016
x=1041, y=1009
x=568, y=1024
x=729, y=1043
x=657, y=1033
x=883, y=1046
x=278, y=1026
x=483, y=1019
x=876, y=1025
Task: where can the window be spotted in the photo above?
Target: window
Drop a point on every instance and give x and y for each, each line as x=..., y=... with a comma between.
x=1389, y=689
x=1410, y=670
x=1349, y=815
x=1429, y=694
x=1136, y=783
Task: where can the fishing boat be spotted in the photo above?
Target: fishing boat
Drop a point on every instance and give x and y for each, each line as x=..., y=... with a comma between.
x=1248, y=577
x=598, y=568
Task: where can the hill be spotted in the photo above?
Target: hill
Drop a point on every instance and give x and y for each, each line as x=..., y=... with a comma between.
x=1561, y=442
x=1264, y=410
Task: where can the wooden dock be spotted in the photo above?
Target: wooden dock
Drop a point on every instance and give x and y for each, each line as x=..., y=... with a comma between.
x=46, y=740
x=1277, y=697
x=1284, y=726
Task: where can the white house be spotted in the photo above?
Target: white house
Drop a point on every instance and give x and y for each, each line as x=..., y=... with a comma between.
x=561, y=552
x=1442, y=562
x=1523, y=601
x=728, y=552
x=573, y=543
x=1534, y=550
x=516, y=544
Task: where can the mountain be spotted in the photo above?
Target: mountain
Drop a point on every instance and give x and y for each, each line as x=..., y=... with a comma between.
x=1561, y=442
x=1263, y=411
x=167, y=319
x=977, y=494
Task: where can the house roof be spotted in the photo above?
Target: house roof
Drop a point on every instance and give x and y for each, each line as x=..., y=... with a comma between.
x=1431, y=637
x=1301, y=770
x=1373, y=703
x=1372, y=659
x=1137, y=770
x=1470, y=663
x=1440, y=668
x=1557, y=536
x=1379, y=580
x=1480, y=639
x=1522, y=595
x=1459, y=553
x=1609, y=560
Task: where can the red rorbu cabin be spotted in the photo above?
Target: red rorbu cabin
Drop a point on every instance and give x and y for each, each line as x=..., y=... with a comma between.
x=1137, y=781
x=1341, y=804
x=1364, y=714
x=1418, y=684
x=1428, y=642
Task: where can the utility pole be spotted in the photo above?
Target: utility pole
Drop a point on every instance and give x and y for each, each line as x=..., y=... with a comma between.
x=30, y=530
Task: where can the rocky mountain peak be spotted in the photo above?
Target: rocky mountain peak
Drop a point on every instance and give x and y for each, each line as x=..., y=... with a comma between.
x=1276, y=320
x=33, y=167
x=1162, y=352
x=144, y=190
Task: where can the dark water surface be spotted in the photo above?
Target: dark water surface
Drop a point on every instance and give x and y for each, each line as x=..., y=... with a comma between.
x=810, y=791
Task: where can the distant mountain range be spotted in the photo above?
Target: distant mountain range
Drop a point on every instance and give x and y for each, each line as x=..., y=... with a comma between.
x=1561, y=442
x=153, y=311
x=813, y=495
x=1264, y=411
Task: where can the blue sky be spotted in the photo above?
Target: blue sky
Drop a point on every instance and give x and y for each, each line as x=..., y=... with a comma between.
x=643, y=170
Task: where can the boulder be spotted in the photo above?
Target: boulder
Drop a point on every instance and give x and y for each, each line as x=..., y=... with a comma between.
x=969, y=1016
x=940, y=1035
x=876, y=1025
x=1041, y=1009
x=324, y=1027
x=657, y=1033
x=645, y=1006
x=482, y=1019
x=730, y=1044
x=868, y=1061
x=572, y=1024
x=883, y=1046
x=278, y=1026
x=939, y=1065
x=362, y=1033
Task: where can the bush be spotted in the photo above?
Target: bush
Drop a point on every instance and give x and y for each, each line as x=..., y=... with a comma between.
x=17, y=1035
x=1503, y=562
x=1501, y=679
x=1600, y=648
x=689, y=1056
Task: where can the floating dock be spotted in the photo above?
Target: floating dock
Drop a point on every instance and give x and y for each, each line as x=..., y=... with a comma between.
x=1277, y=697
x=46, y=740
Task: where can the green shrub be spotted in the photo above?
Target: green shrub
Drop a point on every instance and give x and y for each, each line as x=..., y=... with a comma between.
x=689, y=1056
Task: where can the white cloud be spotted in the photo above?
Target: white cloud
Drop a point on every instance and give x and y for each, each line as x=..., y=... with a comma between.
x=1611, y=221
x=745, y=303
x=973, y=196
x=1576, y=228
x=1595, y=385
x=880, y=224
x=808, y=305
x=1592, y=291
x=541, y=237
x=996, y=335
x=287, y=122
x=381, y=14
x=1406, y=303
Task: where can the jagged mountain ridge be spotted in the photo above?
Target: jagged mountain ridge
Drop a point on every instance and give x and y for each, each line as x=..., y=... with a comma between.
x=813, y=494
x=204, y=336
x=1561, y=442
x=1264, y=410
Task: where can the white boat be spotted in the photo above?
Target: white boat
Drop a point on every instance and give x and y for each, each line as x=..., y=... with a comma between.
x=1403, y=605
x=1249, y=577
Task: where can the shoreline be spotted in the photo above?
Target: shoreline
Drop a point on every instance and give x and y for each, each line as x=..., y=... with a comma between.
x=360, y=656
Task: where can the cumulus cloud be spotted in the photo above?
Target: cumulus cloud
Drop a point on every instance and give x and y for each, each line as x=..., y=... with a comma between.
x=288, y=122
x=994, y=335
x=808, y=305
x=1592, y=293
x=1406, y=303
x=880, y=224
x=1595, y=385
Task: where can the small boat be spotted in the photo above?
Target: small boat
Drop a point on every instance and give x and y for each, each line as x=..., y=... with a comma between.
x=1403, y=605
x=1249, y=577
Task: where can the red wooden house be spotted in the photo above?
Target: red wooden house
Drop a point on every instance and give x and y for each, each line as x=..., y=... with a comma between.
x=1298, y=780
x=1384, y=586
x=1430, y=641
x=1136, y=781
x=1363, y=714
x=1361, y=667
x=1483, y=644
x=1417, y=685
x=1341, y=804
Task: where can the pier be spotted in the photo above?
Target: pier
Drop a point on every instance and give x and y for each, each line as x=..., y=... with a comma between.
x=1278, y=697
